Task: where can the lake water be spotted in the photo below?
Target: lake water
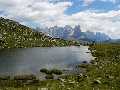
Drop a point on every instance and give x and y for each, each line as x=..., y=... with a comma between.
x=31, y=60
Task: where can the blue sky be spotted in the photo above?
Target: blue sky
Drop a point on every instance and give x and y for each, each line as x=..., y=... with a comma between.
x=101, y=6
x=91, y=15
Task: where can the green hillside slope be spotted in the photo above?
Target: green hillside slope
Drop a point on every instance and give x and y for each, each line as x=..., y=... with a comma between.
x=15, y=35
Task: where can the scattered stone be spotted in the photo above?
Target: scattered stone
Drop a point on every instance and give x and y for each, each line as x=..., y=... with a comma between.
x=4, y=77
x=72, y=82
x=97, y=82
x=68, y=88
x=62, y=80
x=84, y=62
x=44, y=89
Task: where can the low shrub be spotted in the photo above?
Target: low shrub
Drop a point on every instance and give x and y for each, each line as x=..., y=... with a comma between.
x=57, y=72
x=25, y=77
x=50, y=76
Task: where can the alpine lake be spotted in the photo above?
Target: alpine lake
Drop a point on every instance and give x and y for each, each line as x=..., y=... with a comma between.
x=31, y=60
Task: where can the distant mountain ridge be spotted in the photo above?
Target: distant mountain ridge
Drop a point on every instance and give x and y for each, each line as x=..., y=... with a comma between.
x=75, y=33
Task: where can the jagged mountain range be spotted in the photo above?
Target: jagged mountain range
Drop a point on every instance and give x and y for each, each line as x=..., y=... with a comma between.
x=75, y=33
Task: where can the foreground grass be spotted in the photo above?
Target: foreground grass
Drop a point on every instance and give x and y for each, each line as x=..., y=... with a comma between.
x=106, y=66
x=102, y=74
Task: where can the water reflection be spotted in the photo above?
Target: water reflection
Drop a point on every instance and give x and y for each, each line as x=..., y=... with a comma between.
x=30, y=60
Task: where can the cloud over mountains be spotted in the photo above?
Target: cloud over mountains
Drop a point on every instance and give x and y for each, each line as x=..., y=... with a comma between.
x=48, y=13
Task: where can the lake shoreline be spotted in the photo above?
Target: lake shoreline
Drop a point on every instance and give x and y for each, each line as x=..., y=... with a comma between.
x=33, y=80
x=53, y=48
x=22, y=59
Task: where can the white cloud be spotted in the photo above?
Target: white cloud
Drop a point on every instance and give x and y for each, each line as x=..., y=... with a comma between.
x=33, y=9
x=45, y=13
x=97, y=22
